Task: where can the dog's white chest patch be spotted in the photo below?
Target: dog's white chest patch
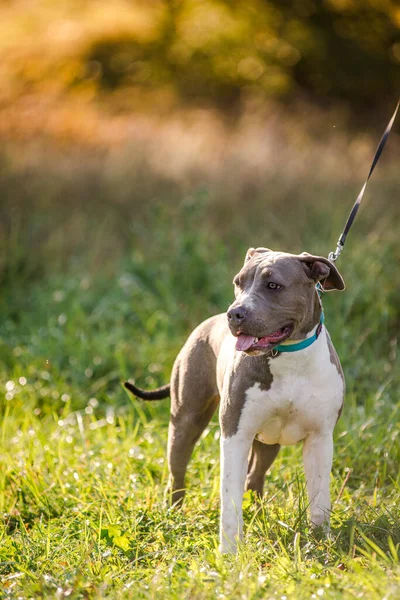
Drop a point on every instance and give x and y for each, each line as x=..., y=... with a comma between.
x=305, y=396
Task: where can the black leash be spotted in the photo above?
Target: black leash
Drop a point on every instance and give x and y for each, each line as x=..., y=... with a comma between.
x=333, y=256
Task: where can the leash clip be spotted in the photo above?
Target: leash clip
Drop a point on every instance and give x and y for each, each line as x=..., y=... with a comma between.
x=274, y=353
x=333, y=256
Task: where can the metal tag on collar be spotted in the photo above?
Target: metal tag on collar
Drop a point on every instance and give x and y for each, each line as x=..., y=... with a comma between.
x=274, y=353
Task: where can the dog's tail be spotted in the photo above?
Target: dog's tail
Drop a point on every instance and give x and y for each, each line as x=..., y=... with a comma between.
x=158, y=394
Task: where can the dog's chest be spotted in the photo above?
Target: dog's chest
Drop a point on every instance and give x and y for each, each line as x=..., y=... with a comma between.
x=305, y=396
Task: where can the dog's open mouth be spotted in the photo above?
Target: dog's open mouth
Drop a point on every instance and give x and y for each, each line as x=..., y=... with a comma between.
x=248, y=343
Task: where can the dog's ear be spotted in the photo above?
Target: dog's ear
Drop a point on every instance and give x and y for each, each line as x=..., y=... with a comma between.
x=249, y=254
x=252, y=251
x=320, y=269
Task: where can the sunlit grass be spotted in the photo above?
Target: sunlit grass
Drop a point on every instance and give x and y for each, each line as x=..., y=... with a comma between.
x=83, y=513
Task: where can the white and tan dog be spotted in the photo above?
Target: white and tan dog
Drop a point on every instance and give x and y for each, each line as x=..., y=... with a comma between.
x=271, y=365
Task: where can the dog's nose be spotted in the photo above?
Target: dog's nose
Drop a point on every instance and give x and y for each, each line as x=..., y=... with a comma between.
x=236, y=315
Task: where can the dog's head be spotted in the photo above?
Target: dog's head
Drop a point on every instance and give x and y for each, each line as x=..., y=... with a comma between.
x=276, y=297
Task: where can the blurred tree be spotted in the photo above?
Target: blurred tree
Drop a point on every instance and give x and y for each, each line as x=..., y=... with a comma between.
x=210, y=52
x=214, y=51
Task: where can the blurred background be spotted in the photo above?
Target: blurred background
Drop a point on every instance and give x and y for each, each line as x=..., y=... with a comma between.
x=146, y=144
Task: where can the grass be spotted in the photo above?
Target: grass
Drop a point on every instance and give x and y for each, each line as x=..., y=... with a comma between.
x=94, y=292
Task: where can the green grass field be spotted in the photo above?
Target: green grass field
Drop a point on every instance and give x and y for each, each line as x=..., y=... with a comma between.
x=93, y=293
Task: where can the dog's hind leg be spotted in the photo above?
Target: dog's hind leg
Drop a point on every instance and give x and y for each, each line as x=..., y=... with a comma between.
x=184, y=431
x=194, y=398
x=261, y=458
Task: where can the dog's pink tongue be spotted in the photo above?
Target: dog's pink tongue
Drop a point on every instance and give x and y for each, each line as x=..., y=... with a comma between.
x=244, y=342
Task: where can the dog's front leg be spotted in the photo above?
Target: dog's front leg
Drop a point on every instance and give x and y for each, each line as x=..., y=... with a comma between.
x=234, y=461
x=317, y=456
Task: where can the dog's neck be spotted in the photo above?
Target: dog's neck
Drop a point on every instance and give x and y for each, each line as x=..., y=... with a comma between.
x=312, y=319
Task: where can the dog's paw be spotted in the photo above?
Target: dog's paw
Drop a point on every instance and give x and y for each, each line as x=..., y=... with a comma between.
x=228, y=545
x=322, y=530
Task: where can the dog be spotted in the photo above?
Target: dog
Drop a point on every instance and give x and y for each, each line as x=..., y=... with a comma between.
x=271, y=366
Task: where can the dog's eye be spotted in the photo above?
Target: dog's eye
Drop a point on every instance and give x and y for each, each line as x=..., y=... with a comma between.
x=273, y=286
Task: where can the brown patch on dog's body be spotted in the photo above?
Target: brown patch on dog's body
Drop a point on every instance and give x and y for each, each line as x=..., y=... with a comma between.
x=246, y=370
x=335, y=361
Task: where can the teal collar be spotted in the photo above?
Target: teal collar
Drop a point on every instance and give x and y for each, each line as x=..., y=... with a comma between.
x=303, y=343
